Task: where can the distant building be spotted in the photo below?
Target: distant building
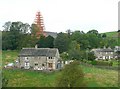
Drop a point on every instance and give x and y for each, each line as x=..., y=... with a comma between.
x=117, y=51
x=53, y=34
x=105, y=53
x=39, y=59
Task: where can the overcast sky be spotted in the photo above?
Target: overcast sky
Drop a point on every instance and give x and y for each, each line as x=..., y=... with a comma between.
x=60, y=15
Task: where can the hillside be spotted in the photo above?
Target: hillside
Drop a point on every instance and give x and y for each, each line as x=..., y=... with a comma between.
x=112, y=34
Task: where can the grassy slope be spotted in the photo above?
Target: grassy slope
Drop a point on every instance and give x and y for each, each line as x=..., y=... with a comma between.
x=112, y=34
x=8, y=56
x=93, y=76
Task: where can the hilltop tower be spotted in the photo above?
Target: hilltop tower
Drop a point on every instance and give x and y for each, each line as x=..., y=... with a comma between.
x=40, y=24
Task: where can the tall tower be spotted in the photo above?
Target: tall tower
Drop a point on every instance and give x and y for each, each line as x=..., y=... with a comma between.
x=40, y=24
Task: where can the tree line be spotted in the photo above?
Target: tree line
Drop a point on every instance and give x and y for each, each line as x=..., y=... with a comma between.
x=72, y=45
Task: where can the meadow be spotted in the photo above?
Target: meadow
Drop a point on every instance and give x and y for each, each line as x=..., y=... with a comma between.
x=93, y=77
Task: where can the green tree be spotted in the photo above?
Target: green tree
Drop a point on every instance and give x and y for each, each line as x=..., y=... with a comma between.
x=14, y=35
x=41, y=42
x=61, y=42
x=104, y=35
x=93, y=32
x=75, y=78
x=64, y=56
x=74, y=50
x=49, y=42
x=91, y=56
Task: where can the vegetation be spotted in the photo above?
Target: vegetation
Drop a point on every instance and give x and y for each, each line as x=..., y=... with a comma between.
x=72, y=45
x=93, y=77
x=75, y=78
x=102, y=63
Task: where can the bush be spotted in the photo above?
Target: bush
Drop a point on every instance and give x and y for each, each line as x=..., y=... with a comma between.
x=4, y=82
x=94, y=62
x=102, y=63
x=71, y=76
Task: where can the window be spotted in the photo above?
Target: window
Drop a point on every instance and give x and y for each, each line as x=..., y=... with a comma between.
x=111, y=52
x=106, y=52
x=26, y=59
x=50, y=57
x=36, y=64
x=43, y=65
x=27, y=63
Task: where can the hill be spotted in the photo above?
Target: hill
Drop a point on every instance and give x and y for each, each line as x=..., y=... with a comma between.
x=113, y=34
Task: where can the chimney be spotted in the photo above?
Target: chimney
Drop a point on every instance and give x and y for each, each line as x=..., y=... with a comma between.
x=36, y=46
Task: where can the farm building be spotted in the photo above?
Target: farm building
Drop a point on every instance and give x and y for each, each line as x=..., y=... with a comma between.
x=39, y=59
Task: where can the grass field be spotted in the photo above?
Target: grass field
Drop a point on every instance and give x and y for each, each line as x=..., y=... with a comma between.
x=94, y=77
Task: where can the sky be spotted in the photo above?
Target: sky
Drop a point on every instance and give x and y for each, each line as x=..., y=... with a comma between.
x=61, y=15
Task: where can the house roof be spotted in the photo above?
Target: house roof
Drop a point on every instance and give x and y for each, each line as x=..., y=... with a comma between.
x=49, y=52
x=105, y=50
x=53, y=34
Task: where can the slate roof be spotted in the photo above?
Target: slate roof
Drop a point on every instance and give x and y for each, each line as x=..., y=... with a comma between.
x=49, y=52
x=105, y=50
x=53, y=34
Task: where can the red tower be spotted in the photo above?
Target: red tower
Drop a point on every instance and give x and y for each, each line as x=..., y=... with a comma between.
x=40, y=24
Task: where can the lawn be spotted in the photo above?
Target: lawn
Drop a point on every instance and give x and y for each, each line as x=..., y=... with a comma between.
x=8, y=56
x=94, y=77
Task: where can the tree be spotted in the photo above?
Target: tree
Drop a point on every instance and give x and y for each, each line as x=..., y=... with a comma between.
x=45, y=42
x=74, y=50
x=71, y=76
x=62, y=42
x=94, y=41
x=64, y=56
x=104, y=35
x=93, y=32
x=49, y=42
x=15, y=35
x=91, y=56
x=41, y=42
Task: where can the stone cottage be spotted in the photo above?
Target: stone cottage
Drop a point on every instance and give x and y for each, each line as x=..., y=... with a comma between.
x=39, y=59
x=103, y=54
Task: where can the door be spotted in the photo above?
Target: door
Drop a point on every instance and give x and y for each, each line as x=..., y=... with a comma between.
x=27, y=65
x=50, y=65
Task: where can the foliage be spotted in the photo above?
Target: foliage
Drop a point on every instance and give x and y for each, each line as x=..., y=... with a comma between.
x=94, y=77
x=91, y=56
x=93, y=32
x=75, y=78
x=61, y=42
x=64, y=56
x=102, y=63
x=45, y=42
x=16, y=36
x=49, y=42
x=104, y=35
x=74, y=50
x=4, y=81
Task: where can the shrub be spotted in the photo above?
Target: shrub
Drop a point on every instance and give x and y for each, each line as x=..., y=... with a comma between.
x=94, y=62
x=71, y=76
x=102, y=63
x=4, y=82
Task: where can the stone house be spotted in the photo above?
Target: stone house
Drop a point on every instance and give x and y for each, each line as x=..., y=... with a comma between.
x=39, y=59
x=117, y=51
x=103, y=54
